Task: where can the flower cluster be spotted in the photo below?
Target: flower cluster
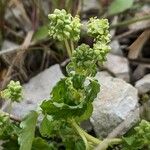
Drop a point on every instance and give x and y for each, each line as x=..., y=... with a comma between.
x=83, y=61
x=63, y=26
x=140, y=139
x=143, y=132
x=98, y=28
x=101, y=50
x=13, y=91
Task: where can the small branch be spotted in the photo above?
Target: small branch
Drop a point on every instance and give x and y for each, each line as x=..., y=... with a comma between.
x=68, y=48
x=125, y=23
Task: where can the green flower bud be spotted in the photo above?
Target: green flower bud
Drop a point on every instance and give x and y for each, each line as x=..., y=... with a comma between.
x=13, y=91
x=63, y=26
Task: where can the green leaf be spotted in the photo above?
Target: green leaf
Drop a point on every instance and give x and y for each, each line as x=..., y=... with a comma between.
x=41, y=33
x=118, y=6
x=87, y=114
x=40, y=144
x=140, y=139
x=92, y=90
x=47, y=126
x=26, y=136
x=62, y=110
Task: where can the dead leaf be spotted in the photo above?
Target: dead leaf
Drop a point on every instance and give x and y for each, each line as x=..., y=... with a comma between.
x=136, y=47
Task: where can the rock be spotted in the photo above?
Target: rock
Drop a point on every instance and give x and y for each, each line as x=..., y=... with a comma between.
x=90, y=5
x=7, y=44
x=37, y=90
x=116, y=102
x=143, y=85
x=118, y=66
x=115, y=48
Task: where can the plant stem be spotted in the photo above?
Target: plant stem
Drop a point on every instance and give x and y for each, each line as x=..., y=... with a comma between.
x=68, y=48
x=88, y=136
x=108, y=142
x=79, y=130
x=125, y=23
x=91, y=138
x=72, y=45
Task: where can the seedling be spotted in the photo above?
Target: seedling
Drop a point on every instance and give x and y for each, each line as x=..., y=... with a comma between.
x=70, y=100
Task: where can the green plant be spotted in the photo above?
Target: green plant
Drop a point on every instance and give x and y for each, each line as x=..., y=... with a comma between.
x=71, y=99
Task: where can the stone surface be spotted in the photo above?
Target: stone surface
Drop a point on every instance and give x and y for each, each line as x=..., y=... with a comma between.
x=8, y=44
x=143, y=85
x=37, y=89
x=90, y=5
x=114, y=104
x=118, y=66
x=115, y=48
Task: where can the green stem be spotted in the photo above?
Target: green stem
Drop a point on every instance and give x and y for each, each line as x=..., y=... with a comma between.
x=125, y=23
x=79, y=130
x=68, y=48
x=72, y=45
x=108, y=142
x=88, y=136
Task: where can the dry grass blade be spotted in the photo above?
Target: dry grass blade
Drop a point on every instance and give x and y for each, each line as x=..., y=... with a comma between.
x=27, y=40
x=137, y=45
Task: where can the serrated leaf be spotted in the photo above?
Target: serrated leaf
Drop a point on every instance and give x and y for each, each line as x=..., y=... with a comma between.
x=69, y=100
x=87, y=114
x=40, y=144
x=118, y=6
x=46, y=126
x=28, y=126
x=62, y=110
x=92, y=90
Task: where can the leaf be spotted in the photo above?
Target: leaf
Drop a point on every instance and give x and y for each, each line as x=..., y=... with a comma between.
x=118, y=6
x=41, y=33
x=40, y=144
x=62, y=110
x=46, y=126
x=87, y=114
x=69, y=100
x=26, y=136
x=92, y=90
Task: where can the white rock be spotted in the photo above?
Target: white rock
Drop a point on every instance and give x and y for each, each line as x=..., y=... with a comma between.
x=90, y=4
x=37, y=90
x=118, y=66
x=8, y=44
x=143, y=85
x=115, y=48
x=116, y=101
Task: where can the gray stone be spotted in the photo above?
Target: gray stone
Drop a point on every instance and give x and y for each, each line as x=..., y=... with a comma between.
x=8, y=44
x=116, y=101
x=90, y=5
x=37, y=90
x=143, y=85
x=118, y=66
x=115, y=48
